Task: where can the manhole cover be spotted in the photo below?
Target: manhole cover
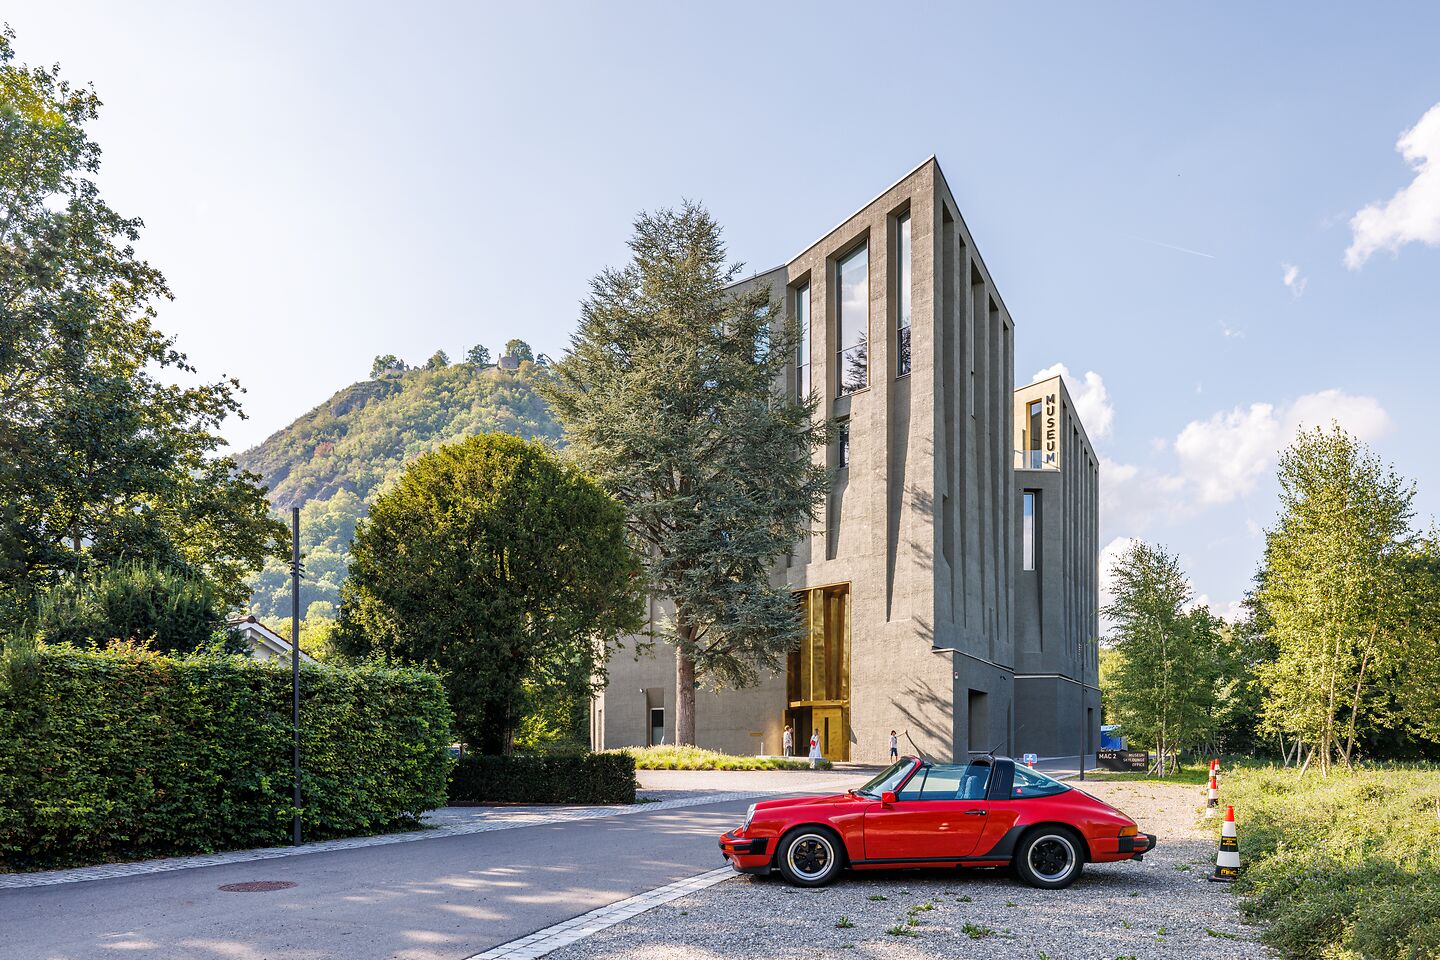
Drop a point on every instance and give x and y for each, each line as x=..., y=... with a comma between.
x=257, y=886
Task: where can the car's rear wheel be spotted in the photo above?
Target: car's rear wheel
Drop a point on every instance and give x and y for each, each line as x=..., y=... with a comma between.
x=1050, y=858
x=810, y=856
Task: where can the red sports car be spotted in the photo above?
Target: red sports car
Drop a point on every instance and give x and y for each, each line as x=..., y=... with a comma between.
x=990, y=812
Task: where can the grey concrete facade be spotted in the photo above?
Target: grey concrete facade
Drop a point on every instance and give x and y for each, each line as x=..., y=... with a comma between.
x=1057, y=582
x=921, y=529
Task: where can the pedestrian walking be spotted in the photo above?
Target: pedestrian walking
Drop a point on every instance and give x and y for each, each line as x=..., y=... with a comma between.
x=788, y=741
x=815, y=748
x=894, y=746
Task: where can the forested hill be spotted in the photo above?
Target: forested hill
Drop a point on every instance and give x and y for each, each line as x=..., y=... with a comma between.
x=332, y=460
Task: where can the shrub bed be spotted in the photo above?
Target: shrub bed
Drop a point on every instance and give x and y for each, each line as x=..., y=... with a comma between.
x=552, y=778
x=695, y=758
x=1347, y=866
x=122, y=753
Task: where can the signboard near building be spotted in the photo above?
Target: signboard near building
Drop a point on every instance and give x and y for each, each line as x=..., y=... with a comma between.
x=1124, y=760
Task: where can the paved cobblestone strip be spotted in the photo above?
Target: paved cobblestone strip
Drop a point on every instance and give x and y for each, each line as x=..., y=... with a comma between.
x=560, y=935
x=501, y=821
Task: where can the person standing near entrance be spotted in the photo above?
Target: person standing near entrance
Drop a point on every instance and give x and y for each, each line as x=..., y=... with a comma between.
x=788, y=741
x=894, y=746
x=815, y=748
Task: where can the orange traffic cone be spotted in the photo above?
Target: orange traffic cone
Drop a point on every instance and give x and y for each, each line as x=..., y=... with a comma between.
x=1214, y=798
x=1227, y=858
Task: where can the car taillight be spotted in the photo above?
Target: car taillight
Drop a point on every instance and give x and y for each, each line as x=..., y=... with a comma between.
x=1129, y=831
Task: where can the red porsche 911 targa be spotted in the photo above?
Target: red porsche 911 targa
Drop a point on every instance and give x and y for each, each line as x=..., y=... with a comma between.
x=991, y=812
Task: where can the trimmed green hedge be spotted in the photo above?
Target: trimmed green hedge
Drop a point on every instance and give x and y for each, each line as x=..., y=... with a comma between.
x=121, y=754
x=555, y=778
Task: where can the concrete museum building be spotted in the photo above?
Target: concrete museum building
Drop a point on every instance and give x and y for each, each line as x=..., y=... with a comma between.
x=950, y=586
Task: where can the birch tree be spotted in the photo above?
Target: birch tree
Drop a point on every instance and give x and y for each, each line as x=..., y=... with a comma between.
x=1334, y=585
x=1167, y=658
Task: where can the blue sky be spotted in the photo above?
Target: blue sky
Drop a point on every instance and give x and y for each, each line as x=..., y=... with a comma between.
x=324, y=183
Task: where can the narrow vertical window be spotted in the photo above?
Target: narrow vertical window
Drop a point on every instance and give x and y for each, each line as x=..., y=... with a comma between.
x=852, y=307
x=902, y=299
x=1027, y=528
x=802, y=351
x=1036, y=430
x=842, y=446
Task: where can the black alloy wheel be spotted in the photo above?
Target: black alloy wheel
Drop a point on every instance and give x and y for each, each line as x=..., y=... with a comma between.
x=810, y=857
x=1050, y=858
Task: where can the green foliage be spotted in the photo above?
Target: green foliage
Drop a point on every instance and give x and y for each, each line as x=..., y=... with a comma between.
x=336, y=458
x=559, y=778
x=439, y=360
x=669, y=399
x=1339, y=592
x=520, y=350
x=479, y=355
x=317, y=632
x=1345, y=866
x=385, y=365
x=1164, y=681
x=695, y=758
x=102, y=458
x=498, y=564
x=134, y=602
x=123, y=753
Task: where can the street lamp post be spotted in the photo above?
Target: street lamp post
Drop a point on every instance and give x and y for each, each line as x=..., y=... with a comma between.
x=1084, y=727
x=295, y=659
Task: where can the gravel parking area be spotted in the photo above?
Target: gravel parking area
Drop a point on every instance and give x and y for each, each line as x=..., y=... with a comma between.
x=1162, y=908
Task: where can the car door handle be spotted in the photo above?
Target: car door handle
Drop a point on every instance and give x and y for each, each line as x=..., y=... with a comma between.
x=974, y=813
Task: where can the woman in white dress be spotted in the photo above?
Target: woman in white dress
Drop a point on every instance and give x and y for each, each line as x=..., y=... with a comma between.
x=814, y=748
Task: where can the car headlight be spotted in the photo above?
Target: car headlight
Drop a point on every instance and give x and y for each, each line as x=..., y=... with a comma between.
x=749, y=815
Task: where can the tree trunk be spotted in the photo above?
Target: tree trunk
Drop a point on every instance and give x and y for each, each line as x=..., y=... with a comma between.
x=684, y=699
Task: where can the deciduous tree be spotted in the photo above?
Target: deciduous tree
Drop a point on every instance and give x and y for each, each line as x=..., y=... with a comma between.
x=669, y=397
x=1334, y=585
x=101, y=460
x=500, y=565
x=1167, y=665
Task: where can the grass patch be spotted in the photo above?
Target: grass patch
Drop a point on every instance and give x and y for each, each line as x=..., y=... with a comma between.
x=900, y=930
x=976, y=931
x=694, y=758
x=1344, y=866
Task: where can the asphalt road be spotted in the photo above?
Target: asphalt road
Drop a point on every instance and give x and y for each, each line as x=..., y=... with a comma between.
x=441, y=899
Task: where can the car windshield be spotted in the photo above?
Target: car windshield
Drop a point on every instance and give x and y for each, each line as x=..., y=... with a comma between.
x=887, y=779
x=1033, y=783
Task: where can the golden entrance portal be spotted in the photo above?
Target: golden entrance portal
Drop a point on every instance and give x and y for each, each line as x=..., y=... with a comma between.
x=817, y=676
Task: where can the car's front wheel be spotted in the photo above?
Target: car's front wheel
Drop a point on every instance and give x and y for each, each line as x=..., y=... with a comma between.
x=810, y=856
x=1050, y=858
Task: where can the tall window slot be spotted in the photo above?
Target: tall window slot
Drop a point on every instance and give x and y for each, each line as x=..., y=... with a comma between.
x=1027, y=533
x=852, y=307
x=842, y=446
x=802, y=351
x=1036, y=411
x=902, y=299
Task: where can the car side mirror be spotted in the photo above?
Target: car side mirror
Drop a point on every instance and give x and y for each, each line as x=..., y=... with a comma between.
x=888, y=797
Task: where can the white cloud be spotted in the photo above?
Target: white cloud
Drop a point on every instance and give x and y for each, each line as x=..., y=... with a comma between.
x=1412, y=214
x=1225, y=456
x=1290, y=276
x=1092, y=400
x=1361, y=416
